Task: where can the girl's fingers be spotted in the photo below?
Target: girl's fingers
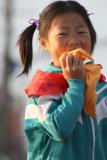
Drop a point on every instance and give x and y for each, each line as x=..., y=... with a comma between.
x=80, y=63
x=69, y=61
x=76, y=61
x=62, y=61
x=72, y=62
x=72, y=66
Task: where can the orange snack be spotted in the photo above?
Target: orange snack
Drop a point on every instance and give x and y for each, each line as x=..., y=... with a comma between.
x=82, y=53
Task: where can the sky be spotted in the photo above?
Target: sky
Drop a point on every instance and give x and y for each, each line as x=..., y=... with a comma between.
x=23, y=10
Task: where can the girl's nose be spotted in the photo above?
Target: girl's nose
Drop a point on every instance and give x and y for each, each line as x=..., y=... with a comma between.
x=74, y=43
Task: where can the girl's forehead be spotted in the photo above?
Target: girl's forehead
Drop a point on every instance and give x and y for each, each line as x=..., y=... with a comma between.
x=68, y=18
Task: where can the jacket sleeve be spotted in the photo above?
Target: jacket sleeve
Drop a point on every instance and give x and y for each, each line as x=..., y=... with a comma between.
x=55, y=116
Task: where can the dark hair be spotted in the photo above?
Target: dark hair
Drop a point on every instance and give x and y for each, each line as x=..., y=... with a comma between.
x=45, y=21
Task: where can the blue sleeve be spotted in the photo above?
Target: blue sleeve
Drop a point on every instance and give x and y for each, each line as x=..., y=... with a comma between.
x=60, y=123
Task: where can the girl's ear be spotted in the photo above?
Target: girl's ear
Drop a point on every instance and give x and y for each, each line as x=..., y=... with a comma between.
x=43, y=43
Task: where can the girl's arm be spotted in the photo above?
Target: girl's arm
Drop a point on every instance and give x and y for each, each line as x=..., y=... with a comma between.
x=54, y=115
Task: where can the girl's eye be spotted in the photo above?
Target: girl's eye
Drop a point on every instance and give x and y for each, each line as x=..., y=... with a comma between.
x=62, y=34
x=82, y=32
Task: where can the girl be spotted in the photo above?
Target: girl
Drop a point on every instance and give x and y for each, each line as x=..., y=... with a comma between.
x=57, y=124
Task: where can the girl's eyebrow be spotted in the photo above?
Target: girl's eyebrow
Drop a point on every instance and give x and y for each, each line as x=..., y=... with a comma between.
x=63, y=28
x=78, y=27
x=81, y=26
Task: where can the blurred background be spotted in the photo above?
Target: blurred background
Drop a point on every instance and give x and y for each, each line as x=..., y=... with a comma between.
x=14, y=18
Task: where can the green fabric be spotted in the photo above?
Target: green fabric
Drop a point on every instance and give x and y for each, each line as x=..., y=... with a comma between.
x=62, y=136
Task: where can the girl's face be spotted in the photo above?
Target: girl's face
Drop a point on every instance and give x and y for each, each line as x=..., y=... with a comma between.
x=68, y=32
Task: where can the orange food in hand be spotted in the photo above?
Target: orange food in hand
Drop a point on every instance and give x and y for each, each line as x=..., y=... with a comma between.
x=81, y=52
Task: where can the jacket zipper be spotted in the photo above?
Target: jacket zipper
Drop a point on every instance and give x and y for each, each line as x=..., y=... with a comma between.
x=93, y=135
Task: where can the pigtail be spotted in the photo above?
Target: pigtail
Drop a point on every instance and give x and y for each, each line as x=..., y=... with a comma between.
x=25, y=48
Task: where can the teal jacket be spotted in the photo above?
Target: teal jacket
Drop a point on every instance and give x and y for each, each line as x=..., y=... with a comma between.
x=58, y=129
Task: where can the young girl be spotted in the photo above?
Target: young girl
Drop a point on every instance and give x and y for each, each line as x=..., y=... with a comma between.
x=63, y=118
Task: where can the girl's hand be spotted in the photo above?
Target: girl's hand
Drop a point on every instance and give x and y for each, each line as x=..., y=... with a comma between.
x=72, y=67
